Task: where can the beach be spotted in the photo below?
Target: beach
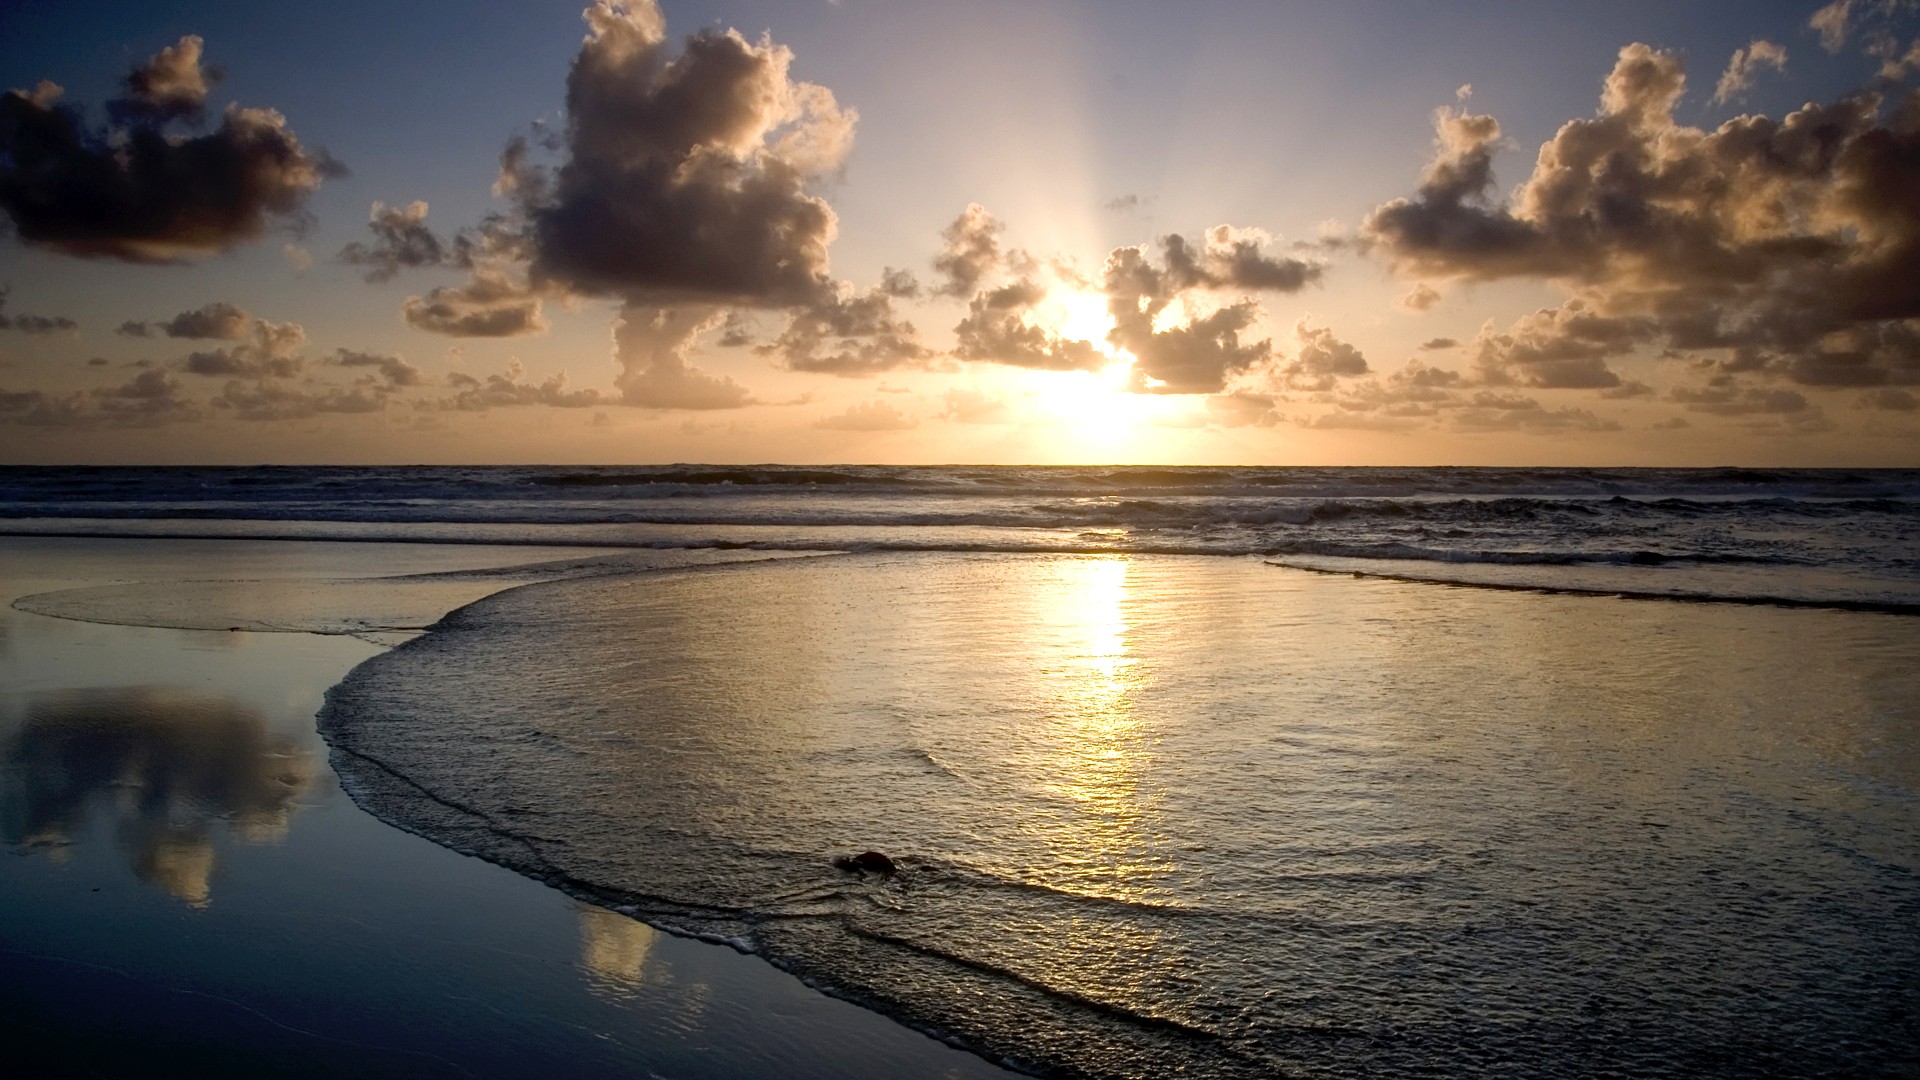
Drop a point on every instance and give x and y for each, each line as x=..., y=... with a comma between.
x=1328, y=775
x=187, y=888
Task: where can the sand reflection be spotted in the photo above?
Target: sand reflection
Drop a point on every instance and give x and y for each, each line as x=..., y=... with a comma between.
x=163, y=764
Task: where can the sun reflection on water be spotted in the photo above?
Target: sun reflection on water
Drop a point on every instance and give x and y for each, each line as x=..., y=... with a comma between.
x=1096, y=746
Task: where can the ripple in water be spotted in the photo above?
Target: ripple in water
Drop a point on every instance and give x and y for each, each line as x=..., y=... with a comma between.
x=1162, y=815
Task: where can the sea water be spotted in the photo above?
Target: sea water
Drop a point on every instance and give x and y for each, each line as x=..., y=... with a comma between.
x=1160, y=806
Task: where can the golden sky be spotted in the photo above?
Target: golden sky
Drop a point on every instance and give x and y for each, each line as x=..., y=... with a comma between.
x=1054, y=232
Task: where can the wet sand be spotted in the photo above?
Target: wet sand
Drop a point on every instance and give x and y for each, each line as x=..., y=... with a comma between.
x=188, y=889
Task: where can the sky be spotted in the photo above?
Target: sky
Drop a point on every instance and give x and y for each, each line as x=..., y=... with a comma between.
x=1219, y=232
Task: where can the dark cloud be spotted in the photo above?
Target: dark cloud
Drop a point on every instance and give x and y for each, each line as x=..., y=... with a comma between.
x=1199, y=356
x=1889, y=399
x=1121, y=204
x=150, y=399
x=217, y=321
x=869, y=416
x=272, y=351
x=1729, y=400
x=509, y=390
x=396, y=371
x=34, y=324
x=259, y=399
x=141, y=191
x=736, y=332
x=401, y=241
x=1789, y=248
x=997, y=329
x=1323, y=359
x=685, y=174
x=488, y=305
x=131, y=328
x=970, y=252
x=850, y=334
x=1436, y=344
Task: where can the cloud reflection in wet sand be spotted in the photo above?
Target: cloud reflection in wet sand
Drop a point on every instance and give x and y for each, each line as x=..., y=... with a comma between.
x=163, y=765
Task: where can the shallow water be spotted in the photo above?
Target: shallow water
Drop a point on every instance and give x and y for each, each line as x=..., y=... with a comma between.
x=184, y=890
x=1163, y=814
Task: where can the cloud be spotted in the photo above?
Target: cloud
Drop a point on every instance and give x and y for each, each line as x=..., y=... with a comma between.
x=1889, y=399
x=488, y=305
x=850, y=334
x=171, y=85
x=34, y=324
x=1422, y=298
x=271, y=351
x=1201, y=354
x=1728, y=400
x=970, y=252
x=299, y=258
x=1323, y=359
x=968, y=406
x=508, y=390
x=218, y=321
x=396, y=371
x=1832, y=24
x=1436, y=344
x=1789, y=247
x=1559, y=348
x=1122, y=204
x=150, y=399
x=684, y=175
x=998, y=329
x=140, y=191
x=1745, y=66
x=1242, y=408
x=651, y=346
x=869, y=416
x=260, y=400
x=401, y=240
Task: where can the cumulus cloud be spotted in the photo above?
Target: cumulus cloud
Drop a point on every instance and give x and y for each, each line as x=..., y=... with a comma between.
x=1745, y=66
x=142, y=191
x=219, y=321
x=685, y=174
x=1323, y=359
x=489, y=305
x=1788, y=248
x=401, y=240
x=1199, y=355
x=651, y=346
x=258, y=399
x=173, y=84
x=1889, y=399
x=150, y=399
x=850, y=334
x=869, y=416
x=998, y=328
x=393, y=369
x=1422, y=298
x=34, y=324
x=270, y=351
x=970, y=252
x=511, y=389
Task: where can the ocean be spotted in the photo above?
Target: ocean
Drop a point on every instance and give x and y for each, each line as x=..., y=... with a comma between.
x=1205, y=772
